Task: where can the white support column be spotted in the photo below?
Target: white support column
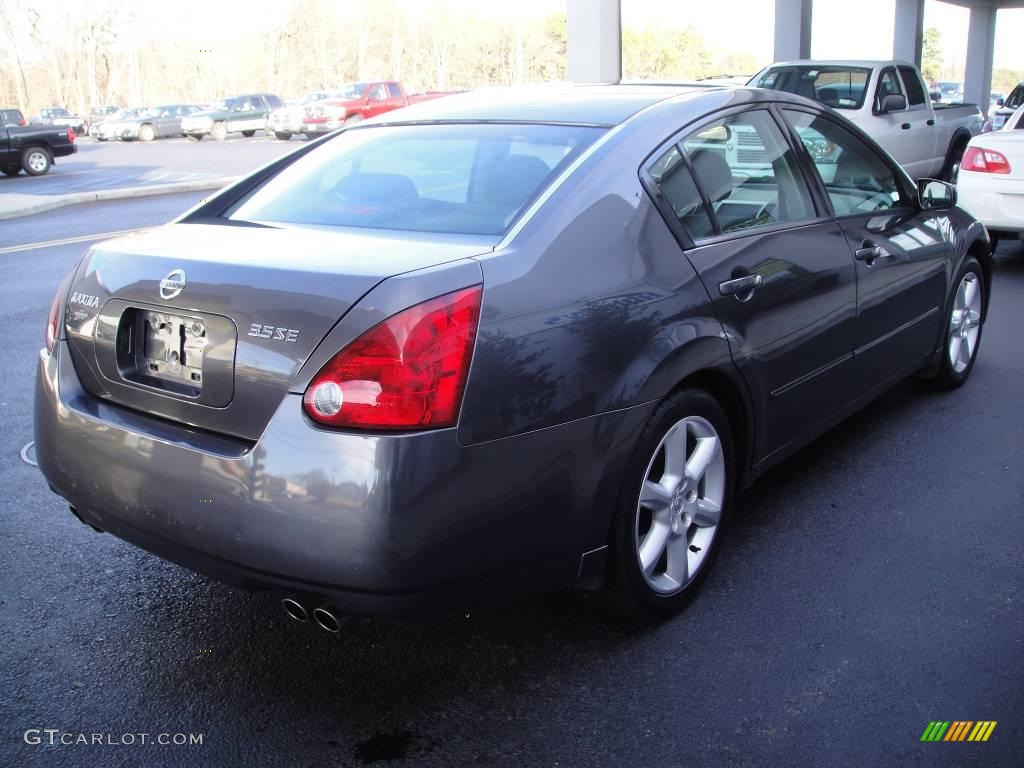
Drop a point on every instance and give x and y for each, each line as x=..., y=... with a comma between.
x=981, y=33
x=792, y=29
x=595, y=41
x=908, y=31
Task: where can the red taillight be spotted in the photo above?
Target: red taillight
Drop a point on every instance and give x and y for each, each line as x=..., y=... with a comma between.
x=23, y=121
x=984, y=161
x=71, y=135
x=51, y=321
x=406, y=373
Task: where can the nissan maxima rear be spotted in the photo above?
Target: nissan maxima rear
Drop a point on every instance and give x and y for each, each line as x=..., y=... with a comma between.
x=501, y=342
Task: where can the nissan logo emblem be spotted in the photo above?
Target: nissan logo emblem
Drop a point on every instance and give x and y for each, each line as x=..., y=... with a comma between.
x=173, y=284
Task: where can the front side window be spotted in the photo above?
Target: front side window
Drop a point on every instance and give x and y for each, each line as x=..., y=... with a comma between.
x=838, y=87
x=748, y=172
x=888, y=85
x=856, y=178
x=454, y=178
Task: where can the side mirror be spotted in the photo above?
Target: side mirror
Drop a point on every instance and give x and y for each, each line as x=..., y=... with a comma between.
x=1000, y=102
x=936, y=195
x=894, y=102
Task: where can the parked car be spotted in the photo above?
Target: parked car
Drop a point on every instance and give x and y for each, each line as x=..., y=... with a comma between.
x=31, y=148
x=99, y=114
x=499, y=342
x=155, y=122
x=991, y=180
x=1009, y=106
x=356, y=102
x=888, y=100
x=244, y=114
x=59, y=116
x=950, y=92
x=12, y=117
x=287, y=121
x=111, y=127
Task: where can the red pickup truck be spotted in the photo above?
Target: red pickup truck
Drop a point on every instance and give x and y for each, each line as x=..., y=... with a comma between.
x=358, y=101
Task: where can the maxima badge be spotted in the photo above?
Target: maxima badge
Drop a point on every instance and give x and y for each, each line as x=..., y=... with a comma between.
x=173, y=284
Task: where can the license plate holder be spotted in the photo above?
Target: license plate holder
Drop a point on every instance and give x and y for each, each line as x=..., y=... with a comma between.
x=173, y=347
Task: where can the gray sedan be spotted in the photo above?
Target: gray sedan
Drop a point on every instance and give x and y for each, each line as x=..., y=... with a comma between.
x=499, y=342
x=155, y=123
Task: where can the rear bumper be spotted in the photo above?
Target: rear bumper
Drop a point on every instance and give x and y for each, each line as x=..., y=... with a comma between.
x=377, y=524
x=998, y=203
x=63, y=150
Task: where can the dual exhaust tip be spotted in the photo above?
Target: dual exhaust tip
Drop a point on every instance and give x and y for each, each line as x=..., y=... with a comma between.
x=324, y=615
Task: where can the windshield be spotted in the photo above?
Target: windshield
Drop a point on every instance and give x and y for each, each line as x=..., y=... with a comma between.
x=1016, y=97
x=460, y=179
x=949, y=87
x=836, y=86
x=228, y=105
x=351, y=91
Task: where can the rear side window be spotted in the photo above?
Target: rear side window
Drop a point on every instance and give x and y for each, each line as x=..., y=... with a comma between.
x=915, y=91
x=747, y=171
x=394, y=90
x=459, y=178
x=677, y=186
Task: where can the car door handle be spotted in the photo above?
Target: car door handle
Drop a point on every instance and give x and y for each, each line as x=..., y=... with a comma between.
x=905, y=126
x=930, y=121
x=869, y=252
x=740, y=287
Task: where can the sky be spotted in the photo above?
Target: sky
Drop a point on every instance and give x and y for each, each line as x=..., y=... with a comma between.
x=836, y=32
x=745, y=25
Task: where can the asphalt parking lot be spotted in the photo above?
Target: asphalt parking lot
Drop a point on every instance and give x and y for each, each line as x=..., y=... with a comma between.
x=115, y=164
x=871, y=584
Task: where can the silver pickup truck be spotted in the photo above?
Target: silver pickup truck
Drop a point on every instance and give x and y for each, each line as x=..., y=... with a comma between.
x=888, y=101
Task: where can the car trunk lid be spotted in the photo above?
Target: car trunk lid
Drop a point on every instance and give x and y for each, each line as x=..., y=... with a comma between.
x=208, y=324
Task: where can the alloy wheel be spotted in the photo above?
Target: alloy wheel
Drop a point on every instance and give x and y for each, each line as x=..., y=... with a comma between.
x=964, y=322
x=680, y=506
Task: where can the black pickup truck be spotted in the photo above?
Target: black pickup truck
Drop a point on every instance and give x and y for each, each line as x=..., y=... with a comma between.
x=31, y=148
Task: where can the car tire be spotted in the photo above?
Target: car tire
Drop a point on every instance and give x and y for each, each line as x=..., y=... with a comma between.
x=36, y=161
x=99, y=139
x=353, y=119
x=219, y=131
x=195, y=136
x=281, y=136
x=963, y=326
x=248, y=134
x=146, y=133
x=669, y=521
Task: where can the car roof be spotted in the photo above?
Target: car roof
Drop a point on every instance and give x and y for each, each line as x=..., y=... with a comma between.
x=604, y=105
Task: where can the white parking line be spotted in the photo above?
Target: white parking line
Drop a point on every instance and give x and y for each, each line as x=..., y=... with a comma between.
x=68, y=241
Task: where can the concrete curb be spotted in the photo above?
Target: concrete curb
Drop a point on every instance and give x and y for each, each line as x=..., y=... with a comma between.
x=51, y=202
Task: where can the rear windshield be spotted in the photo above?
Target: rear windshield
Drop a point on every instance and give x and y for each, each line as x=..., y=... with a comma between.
x=835, y=86
x=470, y=179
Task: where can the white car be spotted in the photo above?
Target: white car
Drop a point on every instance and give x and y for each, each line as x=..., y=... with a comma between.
x=990, y=185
